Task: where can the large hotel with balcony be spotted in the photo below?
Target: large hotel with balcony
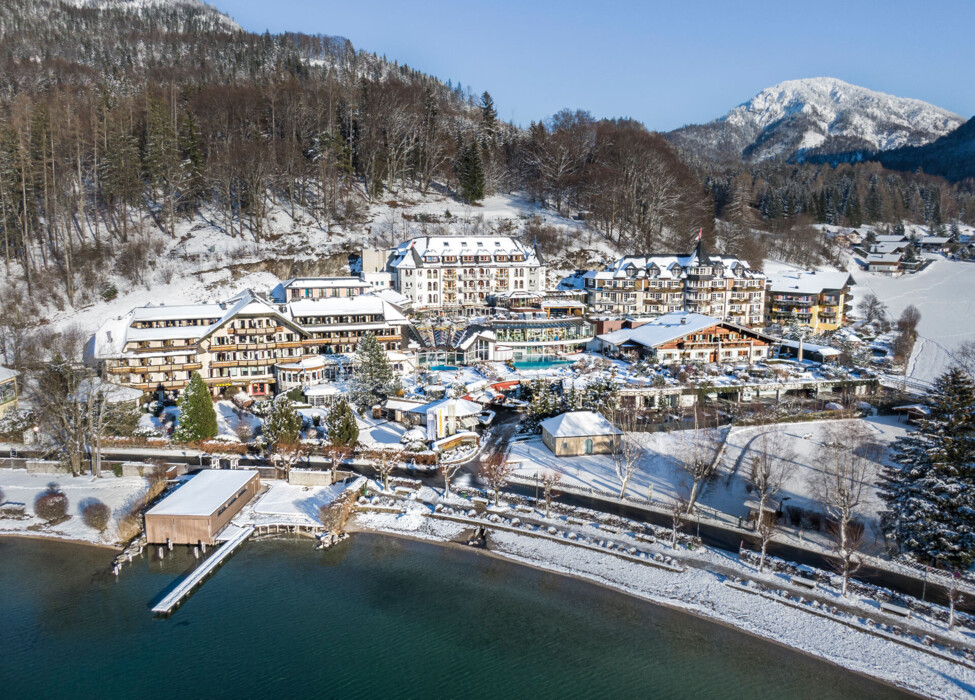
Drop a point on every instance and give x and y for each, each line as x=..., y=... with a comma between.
x=462, y=273
x=723, y=287
x=246, y=342
x=818, y=299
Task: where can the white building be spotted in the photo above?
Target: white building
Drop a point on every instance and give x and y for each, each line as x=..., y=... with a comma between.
x=461, y=273
x=714, y=285
x=245, y=341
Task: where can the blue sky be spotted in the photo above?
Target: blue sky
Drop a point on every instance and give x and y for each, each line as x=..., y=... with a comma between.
x=664, y=63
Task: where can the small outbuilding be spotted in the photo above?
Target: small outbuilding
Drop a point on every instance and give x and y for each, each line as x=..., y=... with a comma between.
x=580, y=433
x=201, y=507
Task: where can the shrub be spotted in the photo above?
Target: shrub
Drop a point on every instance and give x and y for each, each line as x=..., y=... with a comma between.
x=51, y=504
x=117, y=469
x=96, y=514
x=109, y=292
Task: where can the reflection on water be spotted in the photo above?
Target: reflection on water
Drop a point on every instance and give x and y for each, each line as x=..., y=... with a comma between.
x=372, y=617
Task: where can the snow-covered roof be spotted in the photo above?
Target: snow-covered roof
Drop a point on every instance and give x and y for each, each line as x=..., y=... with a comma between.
x=204, y=493
x=152, y=312
x=391, y=296
x=329, y=389
x=935, y=240
x=579, y=424
x=888, y=247
x=808, y=281
x=455, y=407
x=890, y=238
x=675, y=266
x=662, y=329
x=7, y=374
x=822, y=350
x=430, y=250
x=890, y=258
x=364, y=304
x=324, y=283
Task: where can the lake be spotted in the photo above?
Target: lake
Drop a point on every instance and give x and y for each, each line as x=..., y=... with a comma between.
x=374, y=617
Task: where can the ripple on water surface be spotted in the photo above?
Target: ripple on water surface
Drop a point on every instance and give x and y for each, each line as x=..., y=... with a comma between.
x=373, y=617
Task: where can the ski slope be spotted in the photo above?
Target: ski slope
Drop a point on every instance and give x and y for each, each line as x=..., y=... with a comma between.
x=944, y=293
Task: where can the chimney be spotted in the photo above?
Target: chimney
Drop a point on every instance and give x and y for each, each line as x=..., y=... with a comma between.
x=683, y=320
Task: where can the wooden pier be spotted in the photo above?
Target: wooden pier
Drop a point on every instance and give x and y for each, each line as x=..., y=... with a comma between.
x=175, y=598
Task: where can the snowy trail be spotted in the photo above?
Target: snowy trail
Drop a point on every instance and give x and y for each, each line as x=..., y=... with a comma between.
x=944, y=293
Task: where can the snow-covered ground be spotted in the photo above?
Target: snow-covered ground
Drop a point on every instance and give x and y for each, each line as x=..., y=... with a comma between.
x=204, y=263
x=118, y=493
x=728, y=490
x=944, y=293
x=284, y=503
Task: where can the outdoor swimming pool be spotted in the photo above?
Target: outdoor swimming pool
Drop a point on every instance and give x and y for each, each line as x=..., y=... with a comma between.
x=443, y=368
x=541, y=364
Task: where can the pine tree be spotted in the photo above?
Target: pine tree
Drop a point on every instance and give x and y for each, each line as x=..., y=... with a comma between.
x=283, y=423
x=930, y=490
x=343, y=431
x=197, y=419
x=489, y=116
x=470, y=174
x=373, y=379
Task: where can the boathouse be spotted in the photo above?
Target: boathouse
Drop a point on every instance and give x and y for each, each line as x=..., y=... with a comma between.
x=196, y=511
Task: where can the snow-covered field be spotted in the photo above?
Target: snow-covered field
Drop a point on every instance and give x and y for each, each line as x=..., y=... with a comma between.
x=728, y=490
x=118, y=493
x=944, y=293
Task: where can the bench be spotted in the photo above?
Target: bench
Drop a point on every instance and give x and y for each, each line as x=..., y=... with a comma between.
x=893, y=609
x=804, y=582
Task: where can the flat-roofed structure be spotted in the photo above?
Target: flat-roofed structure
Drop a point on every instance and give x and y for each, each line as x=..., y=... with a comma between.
x=201, y=507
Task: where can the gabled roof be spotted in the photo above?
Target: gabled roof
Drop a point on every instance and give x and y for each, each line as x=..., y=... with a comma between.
x=411, y=253
x=460, y=407
x=662, y=329
x=579, y=424
x=808, y=281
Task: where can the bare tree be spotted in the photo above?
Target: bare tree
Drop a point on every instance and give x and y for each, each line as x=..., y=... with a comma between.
x=872, y=309
x=909, y=319
x=847, y=468
x=287, y=454
x=496, y=471
x=447, y=470
x=385, y=462
x=628, y=453
x=771, y=466
x=550, y=483
x=697, y=457
x=679, y=507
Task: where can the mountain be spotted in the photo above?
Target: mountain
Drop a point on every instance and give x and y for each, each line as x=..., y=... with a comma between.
x=952, y=156
x=799, y=119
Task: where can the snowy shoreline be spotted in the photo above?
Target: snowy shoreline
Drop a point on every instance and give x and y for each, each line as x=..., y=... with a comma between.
x=703, y=593
x=60, y=538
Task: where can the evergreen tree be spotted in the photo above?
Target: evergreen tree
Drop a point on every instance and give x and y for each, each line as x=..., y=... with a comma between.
x=373, y=379
x=343, y=431
x=283, y=423
x=197, y=419
x=470, y=174
x=853, y=212
x=489, y=116
x=930, y=490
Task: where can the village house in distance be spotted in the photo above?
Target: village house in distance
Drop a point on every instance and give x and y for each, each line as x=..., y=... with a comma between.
x=651, y=285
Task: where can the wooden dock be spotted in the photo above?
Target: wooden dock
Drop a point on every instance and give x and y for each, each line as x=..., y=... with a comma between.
x=175, y=598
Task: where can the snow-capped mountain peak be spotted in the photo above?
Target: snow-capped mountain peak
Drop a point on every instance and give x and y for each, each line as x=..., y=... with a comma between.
x=820, y=115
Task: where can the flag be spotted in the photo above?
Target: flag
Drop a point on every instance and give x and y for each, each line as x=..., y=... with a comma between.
x=699, y=232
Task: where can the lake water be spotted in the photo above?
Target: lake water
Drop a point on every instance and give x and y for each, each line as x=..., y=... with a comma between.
x=374, y=617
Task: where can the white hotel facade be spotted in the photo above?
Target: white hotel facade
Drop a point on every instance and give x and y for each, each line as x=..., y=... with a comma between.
x=461, y=273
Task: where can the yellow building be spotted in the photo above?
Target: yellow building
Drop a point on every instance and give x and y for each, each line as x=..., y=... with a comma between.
x=8, y=390
x=818, y=299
